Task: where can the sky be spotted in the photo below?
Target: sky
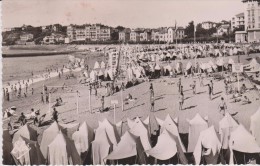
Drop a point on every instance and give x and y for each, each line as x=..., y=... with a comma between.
x=128, y=13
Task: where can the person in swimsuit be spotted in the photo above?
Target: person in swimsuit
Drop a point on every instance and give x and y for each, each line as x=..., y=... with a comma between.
x=222, y=106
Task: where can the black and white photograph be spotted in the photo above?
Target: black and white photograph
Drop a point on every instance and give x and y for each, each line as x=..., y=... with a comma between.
x=130, y=82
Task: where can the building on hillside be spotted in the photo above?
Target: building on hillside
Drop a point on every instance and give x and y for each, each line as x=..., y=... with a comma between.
x=54, y=39
x=56, y=27
x=238, y=21
x=87, y=32
x=173, y=34
x=162, y=34
x=208, y=25
x=26, y=37
x=124, y=36
x=223, y=29
x=145, y=35
x=135, y=35
x=155, y=35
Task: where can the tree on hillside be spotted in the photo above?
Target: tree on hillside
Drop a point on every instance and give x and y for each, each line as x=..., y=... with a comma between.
x=120, y=28
x=189, y=30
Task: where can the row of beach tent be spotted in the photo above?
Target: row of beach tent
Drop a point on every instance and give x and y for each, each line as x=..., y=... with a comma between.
x=70, y=144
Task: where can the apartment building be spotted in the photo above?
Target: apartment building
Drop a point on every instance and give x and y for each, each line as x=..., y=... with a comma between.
x=135, y=35
x=87, y=32
x=145, y=35
x=124, y=36
x=26, y=37
x=238, y=21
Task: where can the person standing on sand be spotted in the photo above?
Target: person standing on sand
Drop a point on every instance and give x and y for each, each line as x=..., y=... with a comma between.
x=32, y=91
x=42, y=98
x=179, y=85
x=211, y=84
x=102, y=104
x=151, y=97
x=47, y=98
x=55, y=115
x=7, y=95
x=193, y=86
x=210, y=91
x=222, y=106
x=181, y=101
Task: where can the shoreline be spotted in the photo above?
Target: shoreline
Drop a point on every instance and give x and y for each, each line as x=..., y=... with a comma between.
x=15, y=55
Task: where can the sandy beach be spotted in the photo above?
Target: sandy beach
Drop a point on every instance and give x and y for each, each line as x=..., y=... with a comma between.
x=166, y=102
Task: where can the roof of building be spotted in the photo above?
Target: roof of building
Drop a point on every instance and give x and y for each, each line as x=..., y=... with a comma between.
x=240, y=15
x=204, y=22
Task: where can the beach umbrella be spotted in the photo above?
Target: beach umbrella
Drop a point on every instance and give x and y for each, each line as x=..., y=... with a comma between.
x=254, y=125
x=27, y=152
x=196, y=125
x=129, y=146
x=27, y=132
x=62, y=151
x=208, y=139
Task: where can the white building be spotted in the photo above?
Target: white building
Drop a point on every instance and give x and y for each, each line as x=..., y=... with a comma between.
x=208, y=25
x=238, y=21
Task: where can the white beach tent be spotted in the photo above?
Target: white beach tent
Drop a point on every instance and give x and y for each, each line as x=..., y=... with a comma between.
x=231, y=61
x=241, y=140
x=93, y=75
x=170, y=125
x=226, y=125
x=128, y=146
x=27, y=132
x=188, y=66
x=62, y=151
x=101, y=147
x=48, y=136
x=7, y=148
x=167, y=147
x=208, y=139
x=196, y=125
x=82, y=139
x=111, y=131
x=27, y=152
x=96, y=65
x=102, y=65
x=141, y=130
x=255, y=125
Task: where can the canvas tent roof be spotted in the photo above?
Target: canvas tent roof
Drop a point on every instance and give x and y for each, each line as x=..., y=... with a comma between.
x=209, y=140
x=226, y=125
x=96, y=65
x=27, y=152
x=165, y=148
x=231, y=61
x=62, y=151
x=100, y=146
x=128, y=146
x=196, y=125
x=102, y=65
x=48, y=136
x=170, y=125
x=188, y=66
x=141, y=130
x=83, y=137
x=254, y=125
x=7, y=148
x=110, y=130
x=27, y=132
x=241, y=140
